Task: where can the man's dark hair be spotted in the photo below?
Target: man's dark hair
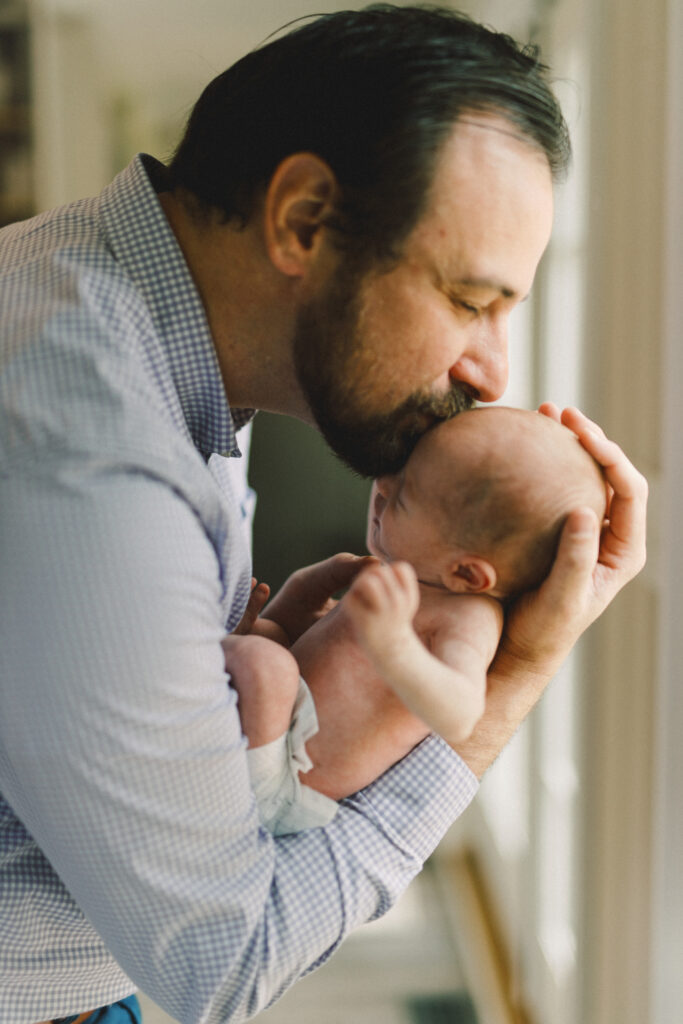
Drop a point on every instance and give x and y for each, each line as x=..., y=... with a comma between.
x=374, y=93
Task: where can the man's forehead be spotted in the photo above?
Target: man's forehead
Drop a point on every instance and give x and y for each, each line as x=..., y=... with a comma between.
x=479, y=149
x=492, y=125
x=489, y=214
x=498, y=121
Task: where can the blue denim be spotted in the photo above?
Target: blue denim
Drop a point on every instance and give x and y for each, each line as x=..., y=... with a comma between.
x=126, y=1011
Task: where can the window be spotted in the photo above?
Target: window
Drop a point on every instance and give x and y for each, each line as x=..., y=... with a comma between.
x=524, y=828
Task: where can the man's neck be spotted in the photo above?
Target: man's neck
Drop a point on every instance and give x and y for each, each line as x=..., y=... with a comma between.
x=251, y=316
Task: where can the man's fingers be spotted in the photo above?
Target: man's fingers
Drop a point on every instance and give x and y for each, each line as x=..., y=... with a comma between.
x=593, y=562
x=542, y=627
x=578, y=421
x=577, y=554
x=550, y=410
x=624, y=540
x=629, y=499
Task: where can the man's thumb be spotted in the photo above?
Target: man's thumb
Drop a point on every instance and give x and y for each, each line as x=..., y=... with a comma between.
x=577, y=553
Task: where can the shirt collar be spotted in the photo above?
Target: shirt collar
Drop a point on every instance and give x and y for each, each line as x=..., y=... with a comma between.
x=144, y=243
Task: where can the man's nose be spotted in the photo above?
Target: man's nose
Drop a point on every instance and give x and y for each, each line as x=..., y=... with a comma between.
x=483, y=366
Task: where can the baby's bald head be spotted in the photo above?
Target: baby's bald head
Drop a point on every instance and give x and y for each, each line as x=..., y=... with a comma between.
x=504, y=482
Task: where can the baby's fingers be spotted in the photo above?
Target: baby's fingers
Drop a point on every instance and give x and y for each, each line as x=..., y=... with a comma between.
x=260, y=593
x=405, y=580
x=387, y=588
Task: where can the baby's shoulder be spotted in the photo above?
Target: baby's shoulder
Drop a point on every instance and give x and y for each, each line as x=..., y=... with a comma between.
x=456, y=614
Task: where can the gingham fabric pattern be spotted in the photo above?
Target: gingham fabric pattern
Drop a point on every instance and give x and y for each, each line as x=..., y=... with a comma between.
x=130, y=849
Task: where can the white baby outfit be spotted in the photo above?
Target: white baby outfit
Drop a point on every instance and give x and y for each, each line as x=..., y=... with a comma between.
x=284, y=804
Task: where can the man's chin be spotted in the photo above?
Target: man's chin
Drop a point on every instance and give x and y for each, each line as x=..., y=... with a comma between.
x=370, y=455
x=377, y=445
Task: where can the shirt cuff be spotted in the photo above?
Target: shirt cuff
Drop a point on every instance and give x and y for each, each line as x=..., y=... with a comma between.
x=418, y=799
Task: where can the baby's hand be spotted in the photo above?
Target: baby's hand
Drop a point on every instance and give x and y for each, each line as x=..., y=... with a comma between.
x=251, y=625
x=381, y=605
x=260, y=592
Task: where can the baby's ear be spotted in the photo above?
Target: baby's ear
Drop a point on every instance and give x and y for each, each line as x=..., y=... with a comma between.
x=471, y=575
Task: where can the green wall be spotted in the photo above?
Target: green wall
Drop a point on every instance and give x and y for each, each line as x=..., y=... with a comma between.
x=309, y=505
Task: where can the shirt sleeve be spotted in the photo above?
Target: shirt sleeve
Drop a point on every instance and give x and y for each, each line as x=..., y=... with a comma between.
x=124, y=758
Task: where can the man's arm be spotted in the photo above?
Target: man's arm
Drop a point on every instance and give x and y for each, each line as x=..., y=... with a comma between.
x=122, y=753
x=594, y=561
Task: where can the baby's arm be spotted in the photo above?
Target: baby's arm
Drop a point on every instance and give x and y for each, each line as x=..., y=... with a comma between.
x=446, y=686
x=251, y=624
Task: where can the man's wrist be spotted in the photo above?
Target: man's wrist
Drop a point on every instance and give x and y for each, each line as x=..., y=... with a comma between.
x=509, y=699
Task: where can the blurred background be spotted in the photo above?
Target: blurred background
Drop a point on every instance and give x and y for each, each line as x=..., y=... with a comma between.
x=558, y=897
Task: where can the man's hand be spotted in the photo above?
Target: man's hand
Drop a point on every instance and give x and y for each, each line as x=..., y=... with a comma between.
x=308, y=594
x=594, y=561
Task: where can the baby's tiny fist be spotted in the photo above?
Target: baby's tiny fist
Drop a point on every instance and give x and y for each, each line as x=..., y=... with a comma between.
x=406, y=586
x=366, y=588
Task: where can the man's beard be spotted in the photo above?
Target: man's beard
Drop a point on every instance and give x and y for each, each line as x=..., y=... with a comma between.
x=326, y=353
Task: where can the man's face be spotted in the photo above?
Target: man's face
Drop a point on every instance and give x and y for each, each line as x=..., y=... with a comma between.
x=328, y=350
x=382, y=357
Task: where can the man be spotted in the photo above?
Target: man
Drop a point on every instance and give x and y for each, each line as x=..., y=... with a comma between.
x=352, y=214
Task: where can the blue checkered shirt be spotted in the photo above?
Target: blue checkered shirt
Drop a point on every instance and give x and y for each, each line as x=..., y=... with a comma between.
x=130, y=848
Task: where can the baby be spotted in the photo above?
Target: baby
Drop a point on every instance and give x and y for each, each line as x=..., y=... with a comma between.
x=471, y=522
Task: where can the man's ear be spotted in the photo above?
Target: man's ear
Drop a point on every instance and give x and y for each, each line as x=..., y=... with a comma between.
x=470, y=574
x=297, y=202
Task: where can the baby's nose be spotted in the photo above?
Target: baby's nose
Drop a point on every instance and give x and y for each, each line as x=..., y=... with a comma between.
x=384, y=484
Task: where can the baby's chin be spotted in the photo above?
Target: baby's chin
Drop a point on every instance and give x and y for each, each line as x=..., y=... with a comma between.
x=375, y=549
x=374, y=546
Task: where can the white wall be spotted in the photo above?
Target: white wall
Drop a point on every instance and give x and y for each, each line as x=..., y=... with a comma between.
x=667, y=836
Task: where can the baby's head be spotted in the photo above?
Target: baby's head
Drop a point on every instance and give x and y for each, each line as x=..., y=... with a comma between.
x=480, y=505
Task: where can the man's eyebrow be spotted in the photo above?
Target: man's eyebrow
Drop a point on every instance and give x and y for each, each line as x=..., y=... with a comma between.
x=491, y=285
